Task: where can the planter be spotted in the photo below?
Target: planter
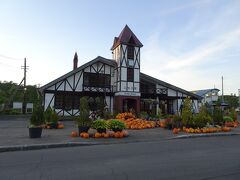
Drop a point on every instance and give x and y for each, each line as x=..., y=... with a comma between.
x=101, y=130
x=35, y=132
x=82, y=129
x=116, y=129
x=53, y=125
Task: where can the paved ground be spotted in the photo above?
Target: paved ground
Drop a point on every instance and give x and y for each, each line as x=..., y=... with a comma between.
x=213, y=158
x=14, y=132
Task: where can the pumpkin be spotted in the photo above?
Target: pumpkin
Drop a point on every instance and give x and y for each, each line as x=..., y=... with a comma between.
x=105, y=135
x=117, y=134
x=125, y=133
x=98, y=135
x=85, y=135
x=74, y=134
x=175, y=131
x=60, y=126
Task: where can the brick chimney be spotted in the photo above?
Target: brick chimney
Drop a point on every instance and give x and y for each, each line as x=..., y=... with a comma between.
x=75, y=61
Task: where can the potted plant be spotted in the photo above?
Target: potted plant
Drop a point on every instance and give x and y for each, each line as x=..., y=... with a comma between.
x=100, y=125
x=116, y=125
x=54, y=120
x=36, y=122
x=83, y=121
x=51, y=118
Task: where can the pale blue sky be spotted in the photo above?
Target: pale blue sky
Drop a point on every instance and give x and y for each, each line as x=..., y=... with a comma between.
x=188, y=43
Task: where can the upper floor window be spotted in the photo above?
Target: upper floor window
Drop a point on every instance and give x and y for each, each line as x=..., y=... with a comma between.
x=130, y=52
x=130, y=74
x=97, y=80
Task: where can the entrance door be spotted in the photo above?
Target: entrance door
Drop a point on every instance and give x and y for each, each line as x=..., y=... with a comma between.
x=129, y=104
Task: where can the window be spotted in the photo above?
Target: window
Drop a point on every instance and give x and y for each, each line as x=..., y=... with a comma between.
x=130, y=74
x=67, y=101
x=130, y=52
x=59, y=98
x=97, y=80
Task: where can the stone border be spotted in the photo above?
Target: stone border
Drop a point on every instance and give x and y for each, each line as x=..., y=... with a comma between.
x=43, y=146
x=185, y=136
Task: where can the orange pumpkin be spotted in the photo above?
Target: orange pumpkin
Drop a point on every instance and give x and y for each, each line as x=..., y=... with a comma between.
x=74, y=134
x=125, y=133
x=105, y=135
x=175, y=131
x=98, y=135
x=85, y=135
x=117, y=134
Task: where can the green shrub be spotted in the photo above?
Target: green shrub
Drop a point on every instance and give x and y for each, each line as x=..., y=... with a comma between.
x=37, y=118
x=48, y=115
x=227, y=119
x=116, y=124
x=217, y=116
x=83, y=119
x=54, y=117
x=202, y=118
x=177, y=121
x=187, y=117
x=99, y=124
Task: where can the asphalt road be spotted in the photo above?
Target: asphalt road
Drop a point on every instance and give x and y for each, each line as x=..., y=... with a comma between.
x=198, y=158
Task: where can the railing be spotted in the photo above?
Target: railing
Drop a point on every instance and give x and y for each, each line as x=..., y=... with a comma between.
x=162, y=91
x=98, y=89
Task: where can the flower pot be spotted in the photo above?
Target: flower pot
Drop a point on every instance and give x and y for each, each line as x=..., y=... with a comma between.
x=116, y=129
x=82, y=129
x=35, y=132
x=101, y=130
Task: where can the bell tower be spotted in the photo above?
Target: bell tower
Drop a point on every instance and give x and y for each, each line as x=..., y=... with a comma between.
x=126, y=52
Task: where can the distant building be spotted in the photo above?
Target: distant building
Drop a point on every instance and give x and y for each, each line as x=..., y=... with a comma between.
x=209, y=96
x=118, y=81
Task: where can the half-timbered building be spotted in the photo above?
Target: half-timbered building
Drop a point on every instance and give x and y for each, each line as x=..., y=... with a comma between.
x=118, y=81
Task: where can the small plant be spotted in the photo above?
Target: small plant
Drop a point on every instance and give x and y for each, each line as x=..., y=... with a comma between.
x=168, y=123
x=54, y=117
x=187, y=116
x=177, y=121
x=116, y=125
x=217, y=116
x=99, y=124
x=48, y=115
x=37, y=118
x=83, y=119
x=227, y=119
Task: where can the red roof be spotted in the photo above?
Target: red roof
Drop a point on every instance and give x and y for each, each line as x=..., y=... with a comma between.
x=126, y=37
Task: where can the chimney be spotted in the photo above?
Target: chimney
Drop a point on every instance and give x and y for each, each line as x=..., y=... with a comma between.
x=75, y=61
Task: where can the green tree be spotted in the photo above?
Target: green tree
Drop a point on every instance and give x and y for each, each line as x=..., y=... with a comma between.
x=187, y=117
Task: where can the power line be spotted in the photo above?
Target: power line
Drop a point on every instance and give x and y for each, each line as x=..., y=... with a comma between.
x=8, y=57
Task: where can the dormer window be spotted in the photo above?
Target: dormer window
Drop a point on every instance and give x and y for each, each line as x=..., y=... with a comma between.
x=130, y=52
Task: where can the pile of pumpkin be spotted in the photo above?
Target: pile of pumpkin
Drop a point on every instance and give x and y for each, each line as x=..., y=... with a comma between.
x=232, y=124
x=202, y=130
x=131, y=122
x=108, y=134
x=103, y=129
x=59, y=125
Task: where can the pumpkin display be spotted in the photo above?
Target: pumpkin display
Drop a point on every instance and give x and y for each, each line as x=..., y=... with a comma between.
x=176, y=131
x=74, y=134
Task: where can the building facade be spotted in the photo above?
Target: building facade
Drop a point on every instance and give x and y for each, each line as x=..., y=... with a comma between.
x=118, y=81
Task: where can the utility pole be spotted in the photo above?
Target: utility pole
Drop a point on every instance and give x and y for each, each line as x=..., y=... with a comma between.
x=24, y=67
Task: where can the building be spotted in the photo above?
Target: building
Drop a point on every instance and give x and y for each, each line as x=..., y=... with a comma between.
x=118, y=81
x=209, y=96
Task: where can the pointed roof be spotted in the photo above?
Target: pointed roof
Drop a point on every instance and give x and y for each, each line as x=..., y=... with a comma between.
x=75, y=56
x=126, y=37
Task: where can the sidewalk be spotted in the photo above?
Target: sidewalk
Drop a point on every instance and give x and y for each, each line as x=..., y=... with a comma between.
x=14, y=136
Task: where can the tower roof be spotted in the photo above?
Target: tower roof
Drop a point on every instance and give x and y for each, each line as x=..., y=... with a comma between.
x=126, y=37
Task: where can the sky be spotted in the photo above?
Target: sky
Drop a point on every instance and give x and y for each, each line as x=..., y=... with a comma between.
x=189, y=43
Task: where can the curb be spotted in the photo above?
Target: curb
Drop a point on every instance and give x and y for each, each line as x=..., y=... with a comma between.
x=43, y=146
x=185, y=136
